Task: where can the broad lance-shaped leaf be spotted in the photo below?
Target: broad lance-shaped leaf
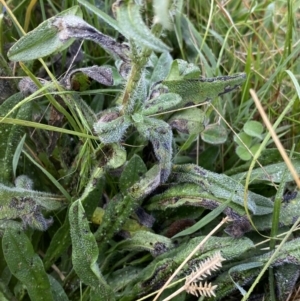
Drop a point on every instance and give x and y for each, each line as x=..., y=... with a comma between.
x=59, y=243
x=11, y=135
x=288, y=215
x=160, y=135
x=58, y=33
x=286, y=279
x=26, y=265
x=120, y=279
x=74, y=27
x=102, y=75
x=133, y=27
x=85, y=253
x=121, y=206
x=164, y=265
x=43, y=40
x=248, y=269
x=236, y=278
x=117, y=212
x=161, y=103
x=27, y=205
x=189, y=194
x=272, y=172
x=222, y=187
x=194, y=195
x=46, y=200
x=116, y=156
x=145, y=240
x=205, y=89
x=195, y=91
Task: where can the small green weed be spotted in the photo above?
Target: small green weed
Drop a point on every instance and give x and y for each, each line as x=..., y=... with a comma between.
x=128, y=130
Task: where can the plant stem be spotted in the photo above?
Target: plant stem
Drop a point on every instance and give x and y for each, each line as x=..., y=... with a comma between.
x=138, y=64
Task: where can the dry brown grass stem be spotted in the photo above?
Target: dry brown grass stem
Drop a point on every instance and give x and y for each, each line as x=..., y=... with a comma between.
x=276, y=140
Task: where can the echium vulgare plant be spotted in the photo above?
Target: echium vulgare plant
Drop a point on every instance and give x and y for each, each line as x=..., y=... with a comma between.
x=104, y=178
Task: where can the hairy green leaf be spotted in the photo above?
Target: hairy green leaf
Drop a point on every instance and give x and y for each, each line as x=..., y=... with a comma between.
x=181, y=70
x=161, y=103
x=133, y=170
x=71, y=26
x=43, y=40
x=121, y=278
x=116, y=213
x=57, y=290
x=272, y=172
x=145, y=240
x=85, y=252
x=102, y=75
x=288, y=215
x=160, y=269
x=90, y=199
x=26, y=265
x=195, y=91
x=146, y=184
x=111, y=131
x=222, y=186
x=121, y=206
x=161, y=68
x=133, y=27
x=27, y=204
x=247, y=270
x=160, y=135
x=115, y=155
x=59, y=243
x=286, y=280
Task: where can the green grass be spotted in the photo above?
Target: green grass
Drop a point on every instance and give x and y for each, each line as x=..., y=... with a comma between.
x=118, y=193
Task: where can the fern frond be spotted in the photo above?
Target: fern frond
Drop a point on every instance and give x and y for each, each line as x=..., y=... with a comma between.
x=205, y=268
x=206, y=290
